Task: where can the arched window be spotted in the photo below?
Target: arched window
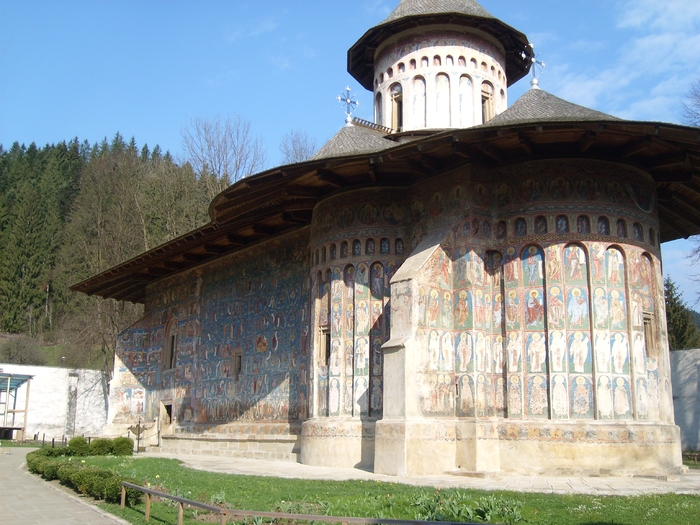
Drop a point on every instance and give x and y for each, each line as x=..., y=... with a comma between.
x=419, y=114
x=390, y=73
x=603, y=226
x=381, y=78
x=486, y=102
x=398, y=247
x=462, y=62
x=437, y=61
x=334, y=252
x=170, y=345
x=442, y=90
x=473, y=63
x=378, y=113
x=344, y=249
x=396, y=92
x=317, y=259
x=449, y=61
x=402, y=67
x=323, y=254
x=424, y=62
x=520, y=227
x=466, y=101
x=412, y=64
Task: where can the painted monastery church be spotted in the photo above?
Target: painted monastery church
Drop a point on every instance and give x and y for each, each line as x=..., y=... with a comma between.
x=458, y=286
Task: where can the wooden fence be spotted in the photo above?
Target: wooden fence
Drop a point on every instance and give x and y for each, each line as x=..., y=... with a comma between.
x=226, y=513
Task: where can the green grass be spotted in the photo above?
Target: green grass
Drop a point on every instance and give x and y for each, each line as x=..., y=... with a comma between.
x=377, y=499
x=10, y=443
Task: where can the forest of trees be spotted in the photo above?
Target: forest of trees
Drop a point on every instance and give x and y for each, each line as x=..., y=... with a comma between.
x=73, y=209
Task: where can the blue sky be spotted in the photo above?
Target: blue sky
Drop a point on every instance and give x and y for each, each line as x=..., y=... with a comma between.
x=89, y=69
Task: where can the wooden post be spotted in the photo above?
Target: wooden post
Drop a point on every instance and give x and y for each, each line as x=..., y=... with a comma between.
x=180, y=512
x=223, y=519
x=123, y=496
x=148, y=506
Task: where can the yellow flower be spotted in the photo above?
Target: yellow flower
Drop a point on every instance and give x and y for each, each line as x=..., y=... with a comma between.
x=157, y=476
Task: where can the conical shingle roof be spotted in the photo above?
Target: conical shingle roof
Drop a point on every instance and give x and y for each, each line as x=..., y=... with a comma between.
x=536, y=105
x=432, y=7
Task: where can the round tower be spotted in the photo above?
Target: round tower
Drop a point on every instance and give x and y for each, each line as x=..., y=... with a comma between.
x=439, y=64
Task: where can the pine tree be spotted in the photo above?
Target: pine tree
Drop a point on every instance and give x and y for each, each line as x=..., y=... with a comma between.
x=682, y=330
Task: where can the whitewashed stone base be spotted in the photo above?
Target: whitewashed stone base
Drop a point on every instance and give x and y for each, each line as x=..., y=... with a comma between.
x=265, y=447
x=338, y=442
x=415, y=448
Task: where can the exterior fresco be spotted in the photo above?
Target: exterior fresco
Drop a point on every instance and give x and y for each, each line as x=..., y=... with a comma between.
x=254, y=306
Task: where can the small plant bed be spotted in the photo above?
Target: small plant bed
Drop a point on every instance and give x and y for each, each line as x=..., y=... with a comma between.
x=371, y=499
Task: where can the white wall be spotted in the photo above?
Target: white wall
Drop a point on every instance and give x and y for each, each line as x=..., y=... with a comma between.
x=52, y=409
x=685, y=374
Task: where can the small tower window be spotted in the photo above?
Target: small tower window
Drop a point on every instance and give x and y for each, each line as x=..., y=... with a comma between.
x=486, y=102
x=621, y=229
x=402, y=67
x=449, y=61
x=390, y=73
x=473, y=63
x=424, y=62
x=603, y=226
x=562, y=224
x=462, y=62
x=396, y=93
x=437, y=61
x=412, y=64
x=378, y=114
x=638, y=232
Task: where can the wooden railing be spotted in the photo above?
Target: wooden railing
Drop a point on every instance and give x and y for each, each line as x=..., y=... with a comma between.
x=225, y=513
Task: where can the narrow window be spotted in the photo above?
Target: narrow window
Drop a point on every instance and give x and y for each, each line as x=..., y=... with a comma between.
x=369, y=247
x=649, y=335
x=486, y=102
x=402, y=67
x=603, y=226
x=170, y=346
x=412, y=64
x=323, y=254
x=356, y=247
x=398, y=250
x=520, y=227
x=396, y=107
x=424, y=62
x=437, y=61
x=638, y=232
x=325, y=347
x=541, y=224
x=334, y=252
x=462, y=62
x=378, y=113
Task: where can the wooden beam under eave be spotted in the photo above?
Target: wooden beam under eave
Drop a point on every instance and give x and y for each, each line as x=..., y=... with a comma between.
x=133, y=281
x=634, y=146
x=671, y=224
x=194, y=257
x=114, y=283
x=469, y=152
x=667, y=161
x=417, y=167
x=296, y=218
x=586, y=141
x=303, y=191
x=159, y=272
x=300, y=205
x=237, y=240
x=329, y=177
x=694, y=206
x=526, y=144
x=175, y=265
x=262, y=229
x=130, y=293
x=214, y=249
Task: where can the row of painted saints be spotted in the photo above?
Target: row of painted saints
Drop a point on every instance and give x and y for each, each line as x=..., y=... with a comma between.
x=568, y=352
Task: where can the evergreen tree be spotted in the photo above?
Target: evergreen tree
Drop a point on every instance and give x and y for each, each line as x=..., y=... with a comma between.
x=682, y=330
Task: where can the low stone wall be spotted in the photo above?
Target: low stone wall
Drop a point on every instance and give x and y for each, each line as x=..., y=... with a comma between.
x=685, y=373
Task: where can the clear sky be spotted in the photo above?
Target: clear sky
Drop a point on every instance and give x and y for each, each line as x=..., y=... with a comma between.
x=89, y=69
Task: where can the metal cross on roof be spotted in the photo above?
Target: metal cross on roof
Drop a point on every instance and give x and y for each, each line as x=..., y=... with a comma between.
x=536, y=63
x=348, y=100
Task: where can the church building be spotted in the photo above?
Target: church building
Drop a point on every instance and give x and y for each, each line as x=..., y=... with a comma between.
x=458, y=286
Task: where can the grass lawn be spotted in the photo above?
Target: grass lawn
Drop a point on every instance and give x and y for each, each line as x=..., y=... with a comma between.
x=387, y=500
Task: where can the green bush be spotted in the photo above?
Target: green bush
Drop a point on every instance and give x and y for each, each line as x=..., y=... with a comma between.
x=36, y=462
x=79, y=446
x=100, y=447
x=66, y=472
x=123, y=446
x=51, y=470
x=113, y=491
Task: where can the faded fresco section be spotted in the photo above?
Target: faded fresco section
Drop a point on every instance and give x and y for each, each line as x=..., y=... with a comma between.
x=241, y=331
